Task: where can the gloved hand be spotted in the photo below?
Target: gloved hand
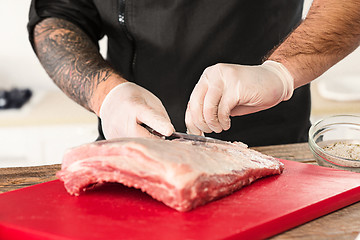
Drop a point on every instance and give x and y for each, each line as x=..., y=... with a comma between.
x=127, y=106
x=226, y=90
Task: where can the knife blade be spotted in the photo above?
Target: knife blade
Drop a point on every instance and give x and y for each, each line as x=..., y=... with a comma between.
x=185, y=136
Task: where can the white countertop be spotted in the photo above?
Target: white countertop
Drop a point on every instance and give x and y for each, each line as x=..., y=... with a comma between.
x=41, y=131
x=47, y=108
x=322, y=107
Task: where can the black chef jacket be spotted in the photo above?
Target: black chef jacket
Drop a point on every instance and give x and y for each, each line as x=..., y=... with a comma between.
x=165, y=45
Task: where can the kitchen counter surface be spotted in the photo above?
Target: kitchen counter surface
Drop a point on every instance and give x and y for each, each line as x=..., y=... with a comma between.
x=322, y=107
x=341, y=224
x=47, y=108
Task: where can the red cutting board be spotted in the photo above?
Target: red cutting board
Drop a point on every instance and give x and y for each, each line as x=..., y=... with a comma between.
x=267, y=207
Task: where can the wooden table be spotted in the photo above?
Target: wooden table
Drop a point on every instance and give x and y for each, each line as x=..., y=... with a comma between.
x=342, y=224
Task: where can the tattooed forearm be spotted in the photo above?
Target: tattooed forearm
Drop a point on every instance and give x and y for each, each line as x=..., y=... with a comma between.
x=71, y=59
x=329, y=33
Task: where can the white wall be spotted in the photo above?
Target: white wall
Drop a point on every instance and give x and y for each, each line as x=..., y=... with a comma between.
x=19, y=66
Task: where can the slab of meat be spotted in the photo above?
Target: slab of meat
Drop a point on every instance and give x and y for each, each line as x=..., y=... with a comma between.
x=181, y=174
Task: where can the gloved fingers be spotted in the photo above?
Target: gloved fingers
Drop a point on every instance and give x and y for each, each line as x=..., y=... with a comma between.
x=157, y=119
x=244, y=110
x=224, y=110
x=116, y=130
x=108, y=128
x=109, y=134
x=196, y=104
x=211, y=105
x=190, y=126
x=128, y=105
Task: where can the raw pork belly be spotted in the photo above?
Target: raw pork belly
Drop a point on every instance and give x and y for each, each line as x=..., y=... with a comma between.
x=181, y=174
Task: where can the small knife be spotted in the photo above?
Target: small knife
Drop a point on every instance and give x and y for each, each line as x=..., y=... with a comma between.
x=185, y=136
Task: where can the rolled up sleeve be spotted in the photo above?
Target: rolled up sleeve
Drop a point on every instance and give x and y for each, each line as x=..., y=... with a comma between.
x=82, y=13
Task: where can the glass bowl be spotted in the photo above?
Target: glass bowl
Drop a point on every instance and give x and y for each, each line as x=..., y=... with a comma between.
x=335, y=142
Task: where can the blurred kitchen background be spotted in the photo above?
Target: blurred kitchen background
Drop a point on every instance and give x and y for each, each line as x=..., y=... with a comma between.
x=49, y=123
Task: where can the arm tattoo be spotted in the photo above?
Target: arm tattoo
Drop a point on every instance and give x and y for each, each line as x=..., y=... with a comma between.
x=71, y=59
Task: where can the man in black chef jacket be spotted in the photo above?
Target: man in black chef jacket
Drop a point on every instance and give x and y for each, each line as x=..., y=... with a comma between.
x=193, y=64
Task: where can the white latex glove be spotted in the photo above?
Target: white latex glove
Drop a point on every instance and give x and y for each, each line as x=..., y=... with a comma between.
x=127, y=106
x=226, y=90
